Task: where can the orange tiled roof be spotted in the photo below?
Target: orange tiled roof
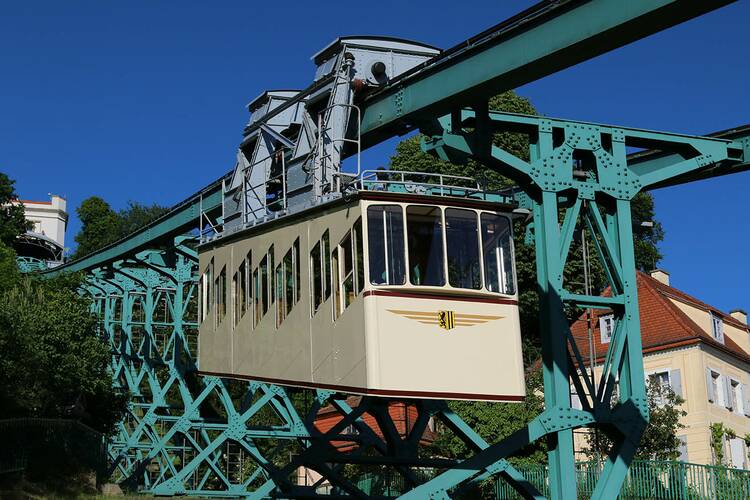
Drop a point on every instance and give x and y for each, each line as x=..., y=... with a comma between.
x=663, y=324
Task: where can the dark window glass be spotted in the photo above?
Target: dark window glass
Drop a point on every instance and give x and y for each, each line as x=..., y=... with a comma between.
x=497, y=254
x=263, y=292
x=242, y=292
x=462, y=246
x=297, y=271
x=288, y=282
x=347, y=280
x=359, y=256
x=221, y=295
x=385, y=229
x=336, y=284
x=280, y=310
x=326, y=265
x=424, y=227
x=257, y=294
x=316, y=276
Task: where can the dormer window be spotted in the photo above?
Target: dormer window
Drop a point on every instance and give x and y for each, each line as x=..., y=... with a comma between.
x=606, y=327
x=717, y=327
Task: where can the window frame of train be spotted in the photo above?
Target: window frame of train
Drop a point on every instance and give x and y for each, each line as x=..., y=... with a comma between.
x=348, y=268
x=392, y=237
x=287, y=283
x=263, y=286
x=204, y=291
x=220, y=296
x=320, y=272
x=240, y=289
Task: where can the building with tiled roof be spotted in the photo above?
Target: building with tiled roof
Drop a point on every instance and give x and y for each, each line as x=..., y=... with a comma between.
x=702, y=353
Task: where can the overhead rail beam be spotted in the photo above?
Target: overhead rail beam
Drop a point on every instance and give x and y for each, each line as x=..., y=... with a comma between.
x=182, y=217
x=540, y=41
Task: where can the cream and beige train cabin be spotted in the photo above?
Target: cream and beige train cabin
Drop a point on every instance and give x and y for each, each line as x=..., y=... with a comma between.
x=382, y=293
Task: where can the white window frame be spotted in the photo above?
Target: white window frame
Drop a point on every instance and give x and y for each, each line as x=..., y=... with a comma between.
x=738, y=405
x=718, y=384
x=717, y=327
x=606, y=328
x=666, y=371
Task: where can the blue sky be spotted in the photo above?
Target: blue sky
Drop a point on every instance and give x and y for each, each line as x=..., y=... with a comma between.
x=144, y=100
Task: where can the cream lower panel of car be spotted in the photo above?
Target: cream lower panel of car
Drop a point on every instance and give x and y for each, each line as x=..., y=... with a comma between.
x=452, y=348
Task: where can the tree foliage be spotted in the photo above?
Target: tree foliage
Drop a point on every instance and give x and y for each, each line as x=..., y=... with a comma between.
x=54, y=363
x=101, y=225
x=12, y=219
x=660, y=439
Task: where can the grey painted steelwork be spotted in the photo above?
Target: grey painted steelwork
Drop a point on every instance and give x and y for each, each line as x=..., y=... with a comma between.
x=291, y=154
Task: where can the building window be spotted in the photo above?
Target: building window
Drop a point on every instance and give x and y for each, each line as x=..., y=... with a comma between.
x=606, y=327
x=735, y=394
x=714, y=383
x=717, y=327
x=665, y=380
x=683, y=449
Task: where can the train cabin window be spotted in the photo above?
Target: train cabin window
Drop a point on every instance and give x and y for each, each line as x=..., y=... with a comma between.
x=207, y=297
x=271, y=267
x=221, y=295
x=280, y=309
x=424, y=227
x=316, y=279
x=347, y=259
x=359, y=256
x=462, y=245
x=244, y=288
x=262, y=300
x=297, y=271
x=257, y=296
x=497, y=253
x=326, y=265
x=335, y=282
x=234, y=297
x=385, y=229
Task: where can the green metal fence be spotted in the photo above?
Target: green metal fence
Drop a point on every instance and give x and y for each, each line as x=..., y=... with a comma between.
x=649, y=479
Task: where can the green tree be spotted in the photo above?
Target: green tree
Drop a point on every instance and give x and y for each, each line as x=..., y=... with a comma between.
x=659, y=441
x=54, y=363
x=136, y=215
x=101, y=225
x=12, y=219
x=9, y=274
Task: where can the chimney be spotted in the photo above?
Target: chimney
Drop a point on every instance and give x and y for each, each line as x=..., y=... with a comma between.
x=660, y=275
x=739, y=315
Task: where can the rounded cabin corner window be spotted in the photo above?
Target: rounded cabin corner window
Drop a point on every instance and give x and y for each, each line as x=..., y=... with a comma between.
x=497, y=254
x=462, y=246
x=385, y=245
x=424, y=227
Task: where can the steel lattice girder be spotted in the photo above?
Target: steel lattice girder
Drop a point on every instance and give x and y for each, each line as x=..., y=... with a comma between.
x=596, y=195
x=170, y=449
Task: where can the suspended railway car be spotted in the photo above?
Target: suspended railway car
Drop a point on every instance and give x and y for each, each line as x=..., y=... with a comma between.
x=369, y=283
x=381, y=293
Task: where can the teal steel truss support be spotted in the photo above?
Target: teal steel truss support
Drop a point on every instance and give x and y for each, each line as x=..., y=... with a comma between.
x=205, y=436
x=578, y=175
